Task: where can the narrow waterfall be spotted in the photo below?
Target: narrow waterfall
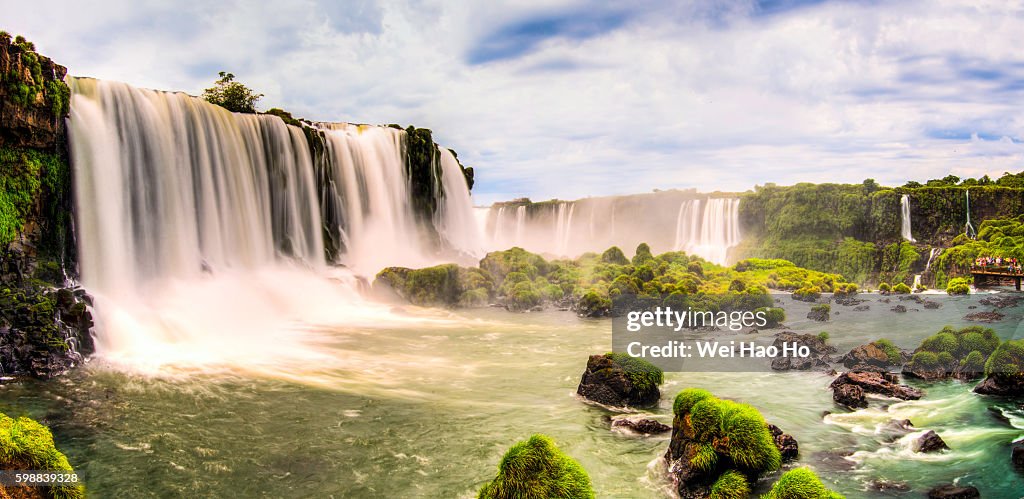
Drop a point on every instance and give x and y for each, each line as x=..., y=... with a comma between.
x=456, y=220
x=201, y=231
x=905, y=218
x=934, y=252
x=706, y=227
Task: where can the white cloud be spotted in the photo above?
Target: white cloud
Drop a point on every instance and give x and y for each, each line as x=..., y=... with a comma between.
x=585, y=99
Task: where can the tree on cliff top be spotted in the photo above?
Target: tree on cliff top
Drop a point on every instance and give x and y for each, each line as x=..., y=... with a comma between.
x=232, y=95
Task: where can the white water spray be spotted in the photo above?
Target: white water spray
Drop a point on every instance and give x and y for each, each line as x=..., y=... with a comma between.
x=905, y=218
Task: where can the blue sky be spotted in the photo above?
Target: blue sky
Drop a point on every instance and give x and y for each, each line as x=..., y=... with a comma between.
x=570, y=99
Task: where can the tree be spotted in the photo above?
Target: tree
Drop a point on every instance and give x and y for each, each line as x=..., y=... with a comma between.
x=232, y=95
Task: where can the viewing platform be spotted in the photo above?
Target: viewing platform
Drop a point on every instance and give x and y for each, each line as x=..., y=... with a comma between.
x=996, y=276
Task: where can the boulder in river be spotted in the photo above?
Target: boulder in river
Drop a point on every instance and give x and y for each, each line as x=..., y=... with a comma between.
x=643, y=426
x=1017, y=455
x=930, y=442
x=787, y=444
x=987, y=317
x=616, y=379
x=952, y=491
x=869, y=382
x=819, y=357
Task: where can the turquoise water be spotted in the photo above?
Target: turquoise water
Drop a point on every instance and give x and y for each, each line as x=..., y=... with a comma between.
x=428, y=411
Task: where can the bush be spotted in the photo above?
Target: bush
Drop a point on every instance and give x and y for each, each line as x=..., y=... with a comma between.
x=823, y=336
x=26, y=444
x=959, y=286
x=774, y=316
x=593, y=304
x=807, y=293
x=901, y=289
x=730, y=485
x=973, y=363
x=523, y=297
x=800, y=483
x=537, y=469
x=615, y=256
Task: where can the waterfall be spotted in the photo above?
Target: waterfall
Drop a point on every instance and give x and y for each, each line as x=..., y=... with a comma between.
x=709, y=233
x=456, y=221
x=917, y=282
x=905, y=218
x=934, y=252
x=708, y=227
x=201, y=231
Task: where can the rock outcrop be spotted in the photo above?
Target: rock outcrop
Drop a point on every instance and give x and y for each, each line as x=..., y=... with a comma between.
x=952, y=491
x=849, y=388
x=930, y=442
x=620, y=381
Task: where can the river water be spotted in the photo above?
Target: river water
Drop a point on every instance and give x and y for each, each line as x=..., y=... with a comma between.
x=428, y=410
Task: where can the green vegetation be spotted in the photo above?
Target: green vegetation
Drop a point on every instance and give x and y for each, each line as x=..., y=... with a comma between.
x=884, y=288
x=901, y=289
x=774, y=316
x=1007, y=360
x=642, y=374
x=285, y=116
x=731, y=485
x=996, y=237
x=890, y=349
x=821, y=310
x=423, y=169
x=959, y=286
x=27, y=445
x=823, y=336
x=232, y=95
x=807, y=293
x=596, y=287
x=800, y=483
x=723, y=429
x=956, y=350
x=537, y=469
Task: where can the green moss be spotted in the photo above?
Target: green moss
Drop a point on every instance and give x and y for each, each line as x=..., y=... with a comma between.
x=285, y=116
x=736, y=431
x=800, y=483
x=614, y=256
x=959, y=286
x=1007, y=359
x=686, y=399
x=884, y=287
x=901, y=289
x=925, y=360
x=774, y=316
x=807, y=293
x=704, y=457
x=823, y=336
x=730, y=485
x=26, y=444
x=891, y=350
x=537, y=469
x=643, y=375
x=973, y=363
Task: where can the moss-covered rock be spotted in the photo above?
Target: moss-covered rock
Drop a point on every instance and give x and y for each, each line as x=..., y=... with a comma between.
x=901, y=289
x=616, y=379
x=27, y=445
x=800, y=483
x=715, y=443
x=944, y=354
x=537, y=469
x=1004, y=371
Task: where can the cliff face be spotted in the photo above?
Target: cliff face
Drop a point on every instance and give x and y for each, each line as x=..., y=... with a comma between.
x=44, y=326
x=33, y=96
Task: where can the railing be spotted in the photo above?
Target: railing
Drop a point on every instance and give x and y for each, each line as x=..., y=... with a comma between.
x=1008, y=270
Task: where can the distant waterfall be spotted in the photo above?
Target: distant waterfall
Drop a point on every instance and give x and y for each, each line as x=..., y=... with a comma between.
x=201, y=231
x=905, y=218
x=705, y=227
x=709, y=233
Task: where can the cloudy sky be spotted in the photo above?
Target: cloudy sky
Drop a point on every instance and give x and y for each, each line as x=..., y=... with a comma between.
x=568, y=99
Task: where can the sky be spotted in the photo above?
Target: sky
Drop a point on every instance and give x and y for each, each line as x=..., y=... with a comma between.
x=568, y=99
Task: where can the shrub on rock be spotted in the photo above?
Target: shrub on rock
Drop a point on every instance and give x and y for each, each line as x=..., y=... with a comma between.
x=537, y=469
x=901, y=289
x=959, y=286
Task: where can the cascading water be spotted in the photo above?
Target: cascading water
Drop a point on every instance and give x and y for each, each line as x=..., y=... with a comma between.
x=456, y=220
x=705, y=227
x=905, y=218
x=717, y=232
x=201, y=231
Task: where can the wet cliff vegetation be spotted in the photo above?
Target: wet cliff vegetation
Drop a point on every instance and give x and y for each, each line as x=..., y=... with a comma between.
x=44, y=327
x=854, y=229
x=607, y=284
